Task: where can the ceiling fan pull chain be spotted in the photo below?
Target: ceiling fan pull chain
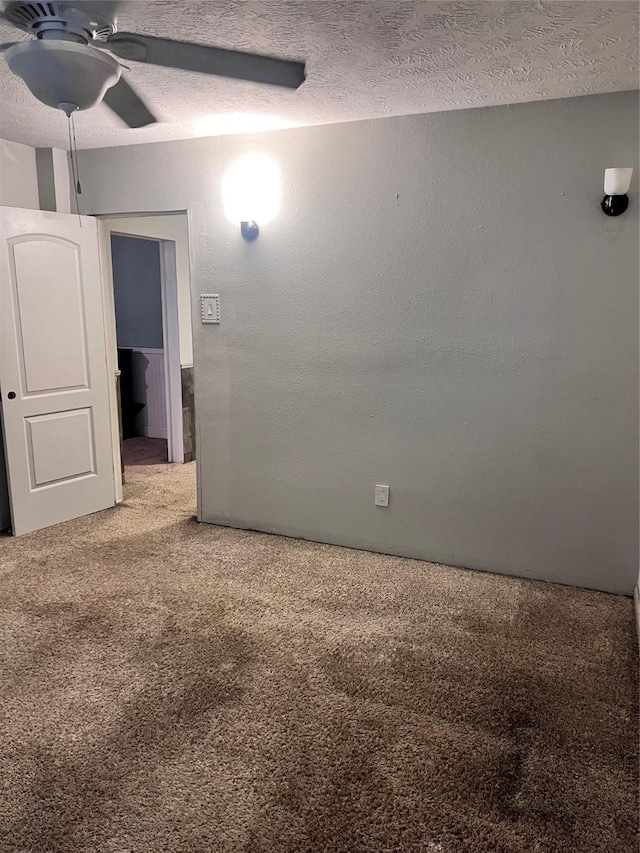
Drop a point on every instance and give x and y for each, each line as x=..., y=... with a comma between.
x=75, y=149
x=74, y=175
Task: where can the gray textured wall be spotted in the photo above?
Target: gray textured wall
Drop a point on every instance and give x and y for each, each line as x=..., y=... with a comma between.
x=441, y=306
x=138, y=292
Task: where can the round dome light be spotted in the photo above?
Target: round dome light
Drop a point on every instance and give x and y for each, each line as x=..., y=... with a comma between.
x=64, y=72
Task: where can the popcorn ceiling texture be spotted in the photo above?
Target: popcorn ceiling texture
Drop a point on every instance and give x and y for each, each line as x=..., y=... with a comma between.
x=365, y=60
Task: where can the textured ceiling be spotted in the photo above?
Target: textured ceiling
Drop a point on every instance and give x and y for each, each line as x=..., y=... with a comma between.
x=364, y=60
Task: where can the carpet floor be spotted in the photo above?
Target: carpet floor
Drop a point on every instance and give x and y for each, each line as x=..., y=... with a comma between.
x=170, y=687
x=142, y=456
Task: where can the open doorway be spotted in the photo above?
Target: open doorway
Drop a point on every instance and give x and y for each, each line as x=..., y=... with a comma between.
x=151, y=347
x=137, y=293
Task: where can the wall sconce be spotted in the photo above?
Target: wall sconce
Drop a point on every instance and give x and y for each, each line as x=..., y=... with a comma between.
x=251, y=193
x=249, y=230
x=616, y=187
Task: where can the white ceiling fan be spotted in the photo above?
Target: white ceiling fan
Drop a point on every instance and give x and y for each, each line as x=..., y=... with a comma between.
x=72, y=64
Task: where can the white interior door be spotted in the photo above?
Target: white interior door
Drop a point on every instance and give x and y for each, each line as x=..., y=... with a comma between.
x=53, y=371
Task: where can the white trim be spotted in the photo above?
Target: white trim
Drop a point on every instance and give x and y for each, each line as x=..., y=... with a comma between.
x=636, y=601
x=150, y=387
x=171, y=336
x=193, y=278
x=170, y=328
x=109, y=311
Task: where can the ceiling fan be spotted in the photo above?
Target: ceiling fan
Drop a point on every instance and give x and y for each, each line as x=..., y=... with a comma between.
x=73, y=63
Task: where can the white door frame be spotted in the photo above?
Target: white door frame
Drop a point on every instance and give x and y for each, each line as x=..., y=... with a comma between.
x=170, y=331
x=109, y=311
x=171, y=343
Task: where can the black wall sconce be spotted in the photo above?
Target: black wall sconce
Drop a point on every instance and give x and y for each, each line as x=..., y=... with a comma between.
x=616, y=187
x=249, y=230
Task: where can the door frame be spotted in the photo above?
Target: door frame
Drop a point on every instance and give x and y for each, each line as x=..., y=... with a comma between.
x=171, y=344
x=170, y=327
x=170, y=341
x=109, y=312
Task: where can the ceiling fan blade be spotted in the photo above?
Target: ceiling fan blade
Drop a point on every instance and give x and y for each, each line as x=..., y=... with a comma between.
x=6, y=45
x=208, y=60
x=129, y=106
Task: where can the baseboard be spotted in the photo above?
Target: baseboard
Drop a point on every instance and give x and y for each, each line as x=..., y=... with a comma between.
x=636, y=601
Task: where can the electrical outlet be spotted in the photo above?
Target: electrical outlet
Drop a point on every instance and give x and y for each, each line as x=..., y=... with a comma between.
x=382, y=496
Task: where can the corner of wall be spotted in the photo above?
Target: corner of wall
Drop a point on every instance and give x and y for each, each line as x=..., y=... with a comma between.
x=54, y=186
x=34, y=178
x=19, y=184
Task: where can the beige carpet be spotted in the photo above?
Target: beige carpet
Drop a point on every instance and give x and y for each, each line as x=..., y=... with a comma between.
x=169, y=687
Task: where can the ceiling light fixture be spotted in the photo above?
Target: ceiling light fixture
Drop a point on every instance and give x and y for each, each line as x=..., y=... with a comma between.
x=616, y=186
x=64, y=72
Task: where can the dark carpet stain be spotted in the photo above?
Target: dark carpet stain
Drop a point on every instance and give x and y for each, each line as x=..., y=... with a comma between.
x=187, y=676
x=172, y=687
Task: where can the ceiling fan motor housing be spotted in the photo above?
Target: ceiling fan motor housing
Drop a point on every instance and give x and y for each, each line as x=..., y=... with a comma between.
x=64, y=73
x=63, y=21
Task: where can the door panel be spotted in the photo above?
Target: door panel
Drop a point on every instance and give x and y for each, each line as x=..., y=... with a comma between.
x=52, y=334
x=53, y=373
x=60, y=446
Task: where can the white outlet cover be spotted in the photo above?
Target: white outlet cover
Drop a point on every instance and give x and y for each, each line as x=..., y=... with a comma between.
x=382, y=495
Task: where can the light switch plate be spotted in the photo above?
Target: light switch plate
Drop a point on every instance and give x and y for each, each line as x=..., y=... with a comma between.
x=210, y=305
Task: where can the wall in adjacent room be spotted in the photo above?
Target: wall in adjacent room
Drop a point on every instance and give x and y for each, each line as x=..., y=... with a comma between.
x=440, y=306
x=171, y=227
x=137, y=290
